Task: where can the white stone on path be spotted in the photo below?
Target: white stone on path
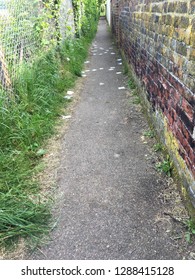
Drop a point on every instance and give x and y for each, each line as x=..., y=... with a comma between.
x=68, y=97
x=66, y=117
x=69, y=92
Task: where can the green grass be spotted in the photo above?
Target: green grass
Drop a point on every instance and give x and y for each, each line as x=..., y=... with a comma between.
x=190, y=224
x=158, y=147
x=149, y=133
x=165, y=166
x=136, y=100
x=26, y=122
x=132, y=84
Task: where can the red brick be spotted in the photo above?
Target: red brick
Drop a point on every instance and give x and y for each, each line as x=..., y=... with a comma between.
x=188, y=109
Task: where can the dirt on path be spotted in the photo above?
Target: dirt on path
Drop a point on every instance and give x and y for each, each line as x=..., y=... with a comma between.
x=112, y=203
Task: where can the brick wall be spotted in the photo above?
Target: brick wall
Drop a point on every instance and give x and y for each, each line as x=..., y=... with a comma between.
x=158, y=39
x=115, y=18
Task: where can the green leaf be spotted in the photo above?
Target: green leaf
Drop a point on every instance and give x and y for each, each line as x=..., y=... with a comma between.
x=41, y=152
x=188, y=237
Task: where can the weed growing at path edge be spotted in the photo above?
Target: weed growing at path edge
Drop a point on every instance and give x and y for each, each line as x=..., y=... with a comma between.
x=25, y=123
x=190, y=230
x=165, y=166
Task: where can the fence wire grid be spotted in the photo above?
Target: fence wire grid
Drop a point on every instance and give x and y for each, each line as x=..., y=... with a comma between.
x=25, y=27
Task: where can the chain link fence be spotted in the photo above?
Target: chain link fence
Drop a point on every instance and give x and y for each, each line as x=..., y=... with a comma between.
x=28, y=26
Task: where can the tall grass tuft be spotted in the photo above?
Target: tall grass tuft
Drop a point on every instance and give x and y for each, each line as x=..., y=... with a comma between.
x=25, y=124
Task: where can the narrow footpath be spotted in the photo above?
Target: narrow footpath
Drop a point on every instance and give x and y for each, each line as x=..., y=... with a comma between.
x=110, y=204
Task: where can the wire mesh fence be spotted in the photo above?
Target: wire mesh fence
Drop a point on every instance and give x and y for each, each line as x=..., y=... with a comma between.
x=26, y=26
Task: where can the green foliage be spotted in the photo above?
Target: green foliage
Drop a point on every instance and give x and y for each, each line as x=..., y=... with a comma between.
x=149, y=133
x=132, y=84
x=102, y=9
x=86, y=15
x=190, y=230
x=27, y=120
x=158, y=147
x=25, y=124
x=165, y=166
x=22, y=217
x=17, y=29
x=137, y=100
x=46, y=24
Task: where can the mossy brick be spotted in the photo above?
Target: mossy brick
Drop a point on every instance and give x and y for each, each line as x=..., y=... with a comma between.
x=170, y=31
x=192, y=7
x=148, y=8
x=184, y=22
x=165, y=40
x=147, y=16
x=165, y=51
x=173, y=44
x=181, y=7
x=176, y=21
x=181, y=48
x=192, y=40
x=171, y=7
x=191, y=54
x=165, y=7
x=156, y=18
x=181, y=62
x=169, y=19
x=183, y=35
x=191, y=68
x=190, y=84
x=175, y=57
x=163, y=19
x=157, y=8
x=193, y=25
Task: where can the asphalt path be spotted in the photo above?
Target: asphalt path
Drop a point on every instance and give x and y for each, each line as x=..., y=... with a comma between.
x=109, y=206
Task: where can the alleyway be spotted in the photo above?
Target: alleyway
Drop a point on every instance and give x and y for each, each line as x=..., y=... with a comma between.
x=109, y=205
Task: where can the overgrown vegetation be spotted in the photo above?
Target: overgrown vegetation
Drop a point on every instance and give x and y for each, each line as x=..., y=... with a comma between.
x=165, y=166
x=190, y=224
x=149, y=133
x=26, y=122
x=158, y=147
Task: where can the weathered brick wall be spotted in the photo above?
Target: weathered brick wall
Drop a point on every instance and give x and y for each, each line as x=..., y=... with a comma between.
x=115, y=18
x=158, y=38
